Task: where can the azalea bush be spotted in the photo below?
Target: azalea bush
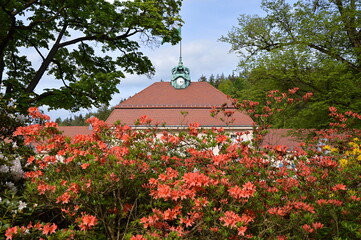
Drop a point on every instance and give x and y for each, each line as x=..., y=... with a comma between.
x=13, y=155
x=124, y=183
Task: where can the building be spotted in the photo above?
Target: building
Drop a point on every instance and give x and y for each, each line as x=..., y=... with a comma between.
x=176, y=104
x=173, y=108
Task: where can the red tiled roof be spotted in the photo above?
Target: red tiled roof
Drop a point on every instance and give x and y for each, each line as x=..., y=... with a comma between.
x=162, y=94
x=164, y=104
x=71, y=131
x=281, y=137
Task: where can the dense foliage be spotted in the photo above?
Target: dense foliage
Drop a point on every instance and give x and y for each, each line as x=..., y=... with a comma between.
x=311, y=45
x=71, y=41
x=101, y=113
x=123, y=183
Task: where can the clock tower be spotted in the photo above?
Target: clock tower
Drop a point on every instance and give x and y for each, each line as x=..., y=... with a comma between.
x=180, y=76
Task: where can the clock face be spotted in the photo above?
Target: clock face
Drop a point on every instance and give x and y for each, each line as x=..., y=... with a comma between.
x=180, y=81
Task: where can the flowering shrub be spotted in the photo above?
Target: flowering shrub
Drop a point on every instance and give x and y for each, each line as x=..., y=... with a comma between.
x=13, y=155
x=124, y=183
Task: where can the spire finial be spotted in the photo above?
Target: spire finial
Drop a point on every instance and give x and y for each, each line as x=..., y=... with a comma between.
x=180, y=74
x=180, y=45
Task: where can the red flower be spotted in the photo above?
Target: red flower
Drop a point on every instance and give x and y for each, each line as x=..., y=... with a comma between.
x=307, y=228
x=35, y=113
x=196, y=179
x=339, y=187
x=242, y=230
x=293, y=90
x=247, y=191
x=281, y=211
x=171, y=214
x=10, y=232
x=138, y=237
x=187, y=221
x=230, y=219
x=63, y=198
x=42, y=187
x=85, y=165
x=144, y=120
x=149, y=221
x=163, y=191
x=221, y=138
x=221, y=159
x=87, y=222
x=317, y=225
x=332, y=109
x=49, y=229
x=355, y=198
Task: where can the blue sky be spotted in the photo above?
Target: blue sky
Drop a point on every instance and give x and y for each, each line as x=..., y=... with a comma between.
x=205, y=22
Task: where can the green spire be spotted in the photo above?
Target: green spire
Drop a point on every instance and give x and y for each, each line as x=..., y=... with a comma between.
x=180, y=74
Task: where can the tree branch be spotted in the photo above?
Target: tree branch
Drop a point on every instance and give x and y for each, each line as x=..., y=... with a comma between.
x=349, y=18
x=269, y=47
x=28, y=4
x=34, y=23
x=335, y=56
x=36, y=48
x=102, y=37
x=61, y=72
x=34, y=82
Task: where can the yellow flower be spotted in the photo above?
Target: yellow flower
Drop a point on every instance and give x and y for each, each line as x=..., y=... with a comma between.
x=352, y=192
x=326, y=147
x=359, y=157
x=343, y=162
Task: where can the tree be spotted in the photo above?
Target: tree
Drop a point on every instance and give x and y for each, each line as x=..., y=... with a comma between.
x=202, y=79
x=73, y=40
x=102, y=113
x=330, y=28
x=312, y=45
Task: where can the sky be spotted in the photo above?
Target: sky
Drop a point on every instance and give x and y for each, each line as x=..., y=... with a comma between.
x=205, y=21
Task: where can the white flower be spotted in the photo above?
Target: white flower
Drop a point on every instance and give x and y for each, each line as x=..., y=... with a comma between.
x=4, y=169
x=22, y=205
x=16, y=169
x=59, y=158
x=11, y=186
